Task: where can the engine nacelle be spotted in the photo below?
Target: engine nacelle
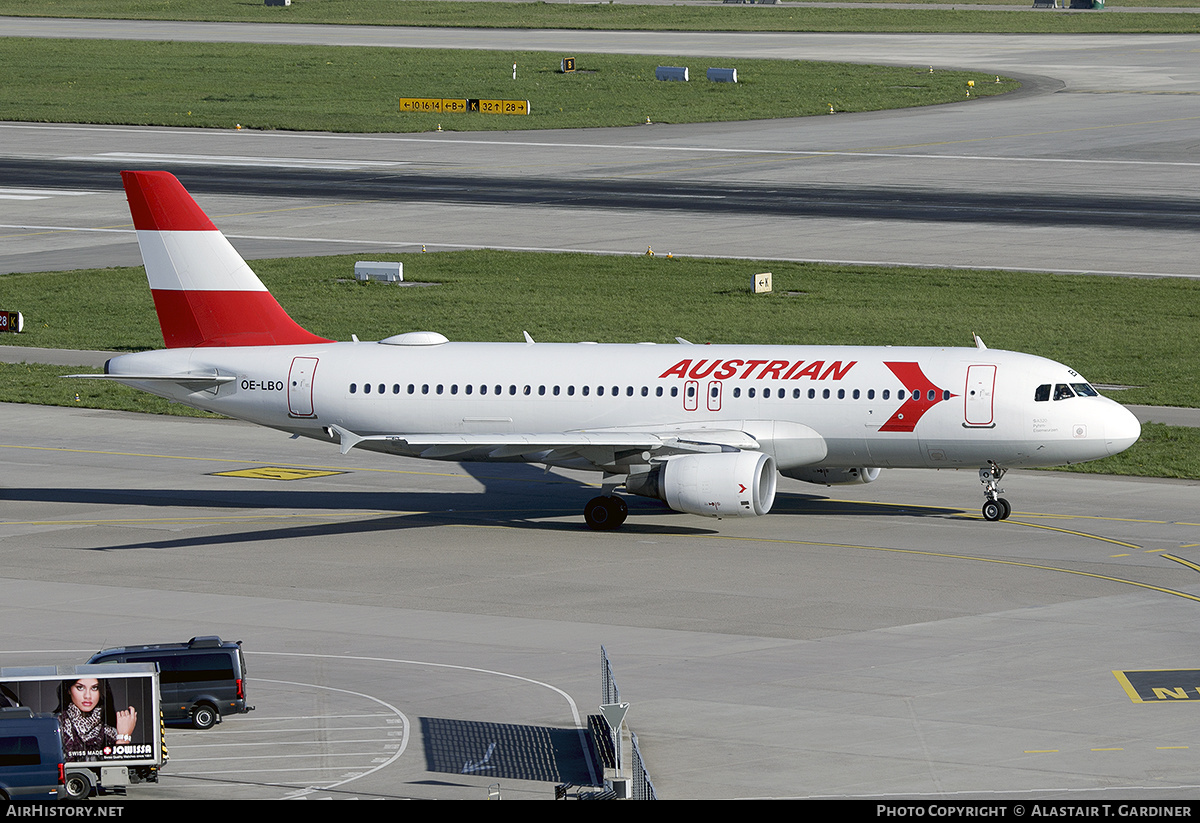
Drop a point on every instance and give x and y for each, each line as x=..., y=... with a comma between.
x=833, y=477
x=728, y=484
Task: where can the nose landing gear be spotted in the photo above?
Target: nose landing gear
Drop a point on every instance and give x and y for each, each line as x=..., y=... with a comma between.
x=995, y=507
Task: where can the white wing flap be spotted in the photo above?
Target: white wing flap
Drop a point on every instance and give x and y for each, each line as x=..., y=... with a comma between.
x=601, y=448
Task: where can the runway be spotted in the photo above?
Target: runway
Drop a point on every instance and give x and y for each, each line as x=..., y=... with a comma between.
x=401, y=616
x=1091, y=169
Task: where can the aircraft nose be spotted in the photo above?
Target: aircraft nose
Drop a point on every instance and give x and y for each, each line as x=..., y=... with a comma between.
x=1121, y=429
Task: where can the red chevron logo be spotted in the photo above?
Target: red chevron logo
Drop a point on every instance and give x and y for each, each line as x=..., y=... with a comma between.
x=923, y=395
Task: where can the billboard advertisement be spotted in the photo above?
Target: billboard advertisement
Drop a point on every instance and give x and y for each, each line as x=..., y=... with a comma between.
x=109, y=714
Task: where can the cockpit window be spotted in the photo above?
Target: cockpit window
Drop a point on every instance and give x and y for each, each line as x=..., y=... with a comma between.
x=1085, y=390
x=1042, y=393
x=1062, y=391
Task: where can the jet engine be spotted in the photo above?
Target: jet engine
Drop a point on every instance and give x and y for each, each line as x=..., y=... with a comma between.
x=728, y=484
x=833, y=477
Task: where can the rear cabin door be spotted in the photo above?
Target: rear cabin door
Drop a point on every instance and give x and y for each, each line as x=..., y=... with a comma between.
x=300, y=387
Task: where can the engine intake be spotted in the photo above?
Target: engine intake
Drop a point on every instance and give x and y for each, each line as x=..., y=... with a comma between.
x=729, y=484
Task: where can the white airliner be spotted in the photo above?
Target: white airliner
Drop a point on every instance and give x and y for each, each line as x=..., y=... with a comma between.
x=706, y=429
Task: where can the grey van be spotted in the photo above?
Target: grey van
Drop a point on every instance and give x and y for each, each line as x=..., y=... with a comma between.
x=201, y=680
x=31, y=755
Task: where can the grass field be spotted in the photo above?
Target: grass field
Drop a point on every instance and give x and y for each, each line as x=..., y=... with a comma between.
x=341, y=89
x=1020, y=20
x=1122, y=331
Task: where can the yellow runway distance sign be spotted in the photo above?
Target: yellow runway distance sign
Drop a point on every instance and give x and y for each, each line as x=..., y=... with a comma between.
x=456, y=105
x=433, y=105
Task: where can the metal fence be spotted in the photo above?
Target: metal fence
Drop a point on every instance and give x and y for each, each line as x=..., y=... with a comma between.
x=641, y=786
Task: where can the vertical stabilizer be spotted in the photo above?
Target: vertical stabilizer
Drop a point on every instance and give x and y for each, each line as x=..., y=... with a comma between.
x=204, y=292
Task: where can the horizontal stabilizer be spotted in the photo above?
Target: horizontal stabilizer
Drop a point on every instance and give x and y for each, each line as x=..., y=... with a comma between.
x=192, y=382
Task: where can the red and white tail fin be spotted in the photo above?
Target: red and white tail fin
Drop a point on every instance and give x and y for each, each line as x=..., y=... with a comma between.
x=204, y=292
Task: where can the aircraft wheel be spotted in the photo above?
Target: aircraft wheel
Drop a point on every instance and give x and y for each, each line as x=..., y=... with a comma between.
x=620, y=511
x=605, y=513
x=1007, y=509
x=992, y=510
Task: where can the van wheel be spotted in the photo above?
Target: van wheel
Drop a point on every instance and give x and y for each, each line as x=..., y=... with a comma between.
x=78, y=785
x=204, y=717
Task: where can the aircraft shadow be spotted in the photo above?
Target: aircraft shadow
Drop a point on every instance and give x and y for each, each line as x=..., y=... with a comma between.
x=514, y=496
x=810, y=505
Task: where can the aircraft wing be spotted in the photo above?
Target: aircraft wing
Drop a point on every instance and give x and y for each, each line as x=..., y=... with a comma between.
x=607, y=449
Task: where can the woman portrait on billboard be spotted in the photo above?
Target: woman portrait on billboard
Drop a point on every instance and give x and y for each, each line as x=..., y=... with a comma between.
x=89, y=725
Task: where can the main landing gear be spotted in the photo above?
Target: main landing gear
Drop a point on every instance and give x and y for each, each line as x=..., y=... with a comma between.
x=605, y=513
x=995, y=507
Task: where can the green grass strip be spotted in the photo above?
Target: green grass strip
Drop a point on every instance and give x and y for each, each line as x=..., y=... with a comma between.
x=341, y=89
x=1114, y=330
x=45, y=385
x=625, y=16
x=492, y=295
x=1162, y=451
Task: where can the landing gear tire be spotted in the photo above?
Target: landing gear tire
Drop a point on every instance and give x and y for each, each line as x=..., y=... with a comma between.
x=997, y=509
x=605, y=513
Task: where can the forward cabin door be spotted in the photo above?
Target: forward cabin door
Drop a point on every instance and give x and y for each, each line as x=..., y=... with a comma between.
x=979, y=408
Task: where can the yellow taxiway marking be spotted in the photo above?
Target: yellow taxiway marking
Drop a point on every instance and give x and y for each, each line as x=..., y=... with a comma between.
x=278, y=473
x=947, y=556
x=1193, y=566
x=222, y=460
x=1045, y=515
x=92, y=521
x=1073, y=532
x=297, y=466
